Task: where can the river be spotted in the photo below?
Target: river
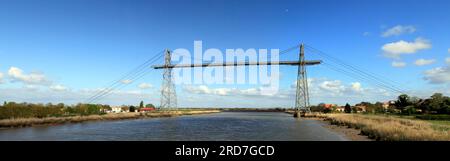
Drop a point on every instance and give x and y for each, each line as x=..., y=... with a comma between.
x=225, y=126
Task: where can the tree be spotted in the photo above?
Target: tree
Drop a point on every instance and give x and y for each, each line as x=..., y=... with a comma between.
x=141, y=105
x=321, y=104
x=437, y=103
x=150, y=106
x=355, y=109
x=132, y=108
x=327, y=110
x=348, y=108
x=126, y=108
x=379, y=107
x=402, y=101
x=316, y=108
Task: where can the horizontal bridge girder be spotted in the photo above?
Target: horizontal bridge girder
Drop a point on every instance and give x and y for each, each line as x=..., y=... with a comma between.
x=293, y=63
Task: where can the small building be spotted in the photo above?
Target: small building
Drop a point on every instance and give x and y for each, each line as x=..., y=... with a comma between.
x=116, y=109
x=329, y=105
x=147, y=109
x=119, y=109
x=388, y=104
x=340, y=109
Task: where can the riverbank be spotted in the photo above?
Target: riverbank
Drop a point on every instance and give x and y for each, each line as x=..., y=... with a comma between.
x=386, y=128
x=26, y=122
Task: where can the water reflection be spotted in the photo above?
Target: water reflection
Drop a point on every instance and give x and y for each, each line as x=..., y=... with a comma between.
x=233, y=126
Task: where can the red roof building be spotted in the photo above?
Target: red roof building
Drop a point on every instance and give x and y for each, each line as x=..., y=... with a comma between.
x=147, y=109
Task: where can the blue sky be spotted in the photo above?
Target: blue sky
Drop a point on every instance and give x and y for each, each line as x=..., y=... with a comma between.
x=81, y=45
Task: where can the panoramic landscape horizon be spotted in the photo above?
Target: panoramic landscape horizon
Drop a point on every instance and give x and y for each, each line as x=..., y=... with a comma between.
x=225, y=79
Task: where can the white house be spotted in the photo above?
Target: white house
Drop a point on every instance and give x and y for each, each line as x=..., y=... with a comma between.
x=116, y=109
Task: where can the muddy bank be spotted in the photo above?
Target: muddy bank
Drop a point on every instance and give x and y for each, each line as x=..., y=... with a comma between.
x=349, y=133
x=26, y=122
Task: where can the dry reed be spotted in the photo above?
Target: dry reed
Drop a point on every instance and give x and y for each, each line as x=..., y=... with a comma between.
x=388, y=128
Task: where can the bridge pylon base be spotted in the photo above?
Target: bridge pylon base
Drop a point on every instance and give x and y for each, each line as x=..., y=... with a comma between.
x=298, y=114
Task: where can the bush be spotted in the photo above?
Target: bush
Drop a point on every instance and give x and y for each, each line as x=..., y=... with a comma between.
x=28, y=110
x=433, y=117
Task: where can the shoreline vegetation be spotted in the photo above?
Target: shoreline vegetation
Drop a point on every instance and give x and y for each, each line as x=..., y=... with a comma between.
x=29, y=122
x=387, y=127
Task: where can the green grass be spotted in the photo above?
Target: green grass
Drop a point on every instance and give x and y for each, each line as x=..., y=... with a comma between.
x=437, y=124
x=440, y=124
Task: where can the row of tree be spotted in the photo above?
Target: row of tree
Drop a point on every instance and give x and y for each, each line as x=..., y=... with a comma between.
x=436, y=104
x=29, y=110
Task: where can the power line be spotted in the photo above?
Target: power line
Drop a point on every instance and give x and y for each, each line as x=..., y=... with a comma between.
x=359, y=77
x=357, y=71
x=121, y=85
x=131, y=73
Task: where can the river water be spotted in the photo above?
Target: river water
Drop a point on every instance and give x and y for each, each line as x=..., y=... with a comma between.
x=225, y=126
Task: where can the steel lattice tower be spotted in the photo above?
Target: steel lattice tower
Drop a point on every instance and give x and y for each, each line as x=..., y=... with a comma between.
x=168, y=93
x=302, y=93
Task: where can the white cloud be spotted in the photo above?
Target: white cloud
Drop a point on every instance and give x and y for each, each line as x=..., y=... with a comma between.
x=398, y=64
x=336, y=88
x=145, y=86
x=448, y=51
x=31, y=87
x=58, y=87
x=1, y=77
x=398, y=30
x=124, y=97
x=422, y=62
x=356, y=86
x=447, y=60
x=438, y=75
x=17, y=74
x=126, y=81
x=320, y=90
x=334, y=85
x=202, y=89
x=396, y=49
x=366, y=34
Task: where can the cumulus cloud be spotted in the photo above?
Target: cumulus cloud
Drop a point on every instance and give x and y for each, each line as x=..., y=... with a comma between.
x=334, y=85
x=17, y=74
x=145, y=86
x=439, y=75
x=58, y=88
x=447, y=60
x=422, y=62
x=398, y=64
x=398, y=30
x=396, y=49
x=448, y=50
x=126, y=81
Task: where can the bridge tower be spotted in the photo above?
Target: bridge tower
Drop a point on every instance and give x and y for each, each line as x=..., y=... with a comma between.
x=302, y=92
x=168, y=93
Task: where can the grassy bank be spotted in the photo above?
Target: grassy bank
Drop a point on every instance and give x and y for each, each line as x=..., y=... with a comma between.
x=389, y=128
x=24, y=122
